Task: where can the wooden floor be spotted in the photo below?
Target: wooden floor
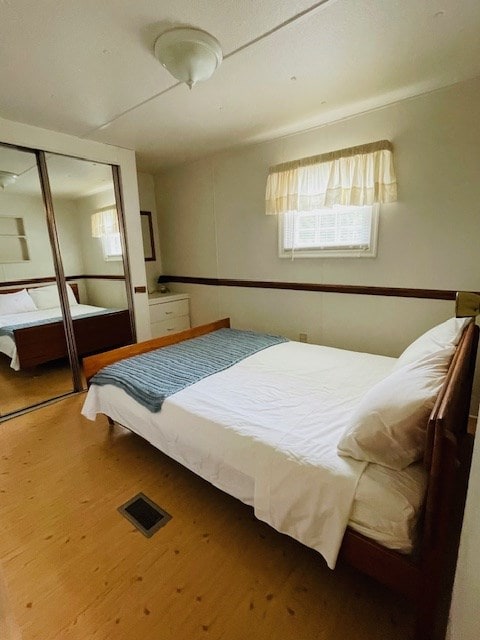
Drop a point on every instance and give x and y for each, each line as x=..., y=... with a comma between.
x=20, y=389
x=78, y=570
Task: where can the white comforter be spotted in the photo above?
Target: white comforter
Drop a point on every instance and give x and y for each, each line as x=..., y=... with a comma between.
x=7, y=344
x=275, y=417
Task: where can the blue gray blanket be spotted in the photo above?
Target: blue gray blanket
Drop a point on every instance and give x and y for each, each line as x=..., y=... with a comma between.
x=152, y=377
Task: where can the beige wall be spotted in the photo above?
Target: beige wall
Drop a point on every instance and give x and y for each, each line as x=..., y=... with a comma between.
x=32, y=210
x=68, y=229
x=212, y=223
x=40, y=264
x=464, y=618
x=146, y=193
x=102, y=293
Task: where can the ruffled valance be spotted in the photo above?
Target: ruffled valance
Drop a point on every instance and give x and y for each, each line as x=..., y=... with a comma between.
x=357, y=176
x=104, y=222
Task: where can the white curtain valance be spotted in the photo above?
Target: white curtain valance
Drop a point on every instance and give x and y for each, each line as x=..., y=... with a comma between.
x=104, y=223
x=358, y=176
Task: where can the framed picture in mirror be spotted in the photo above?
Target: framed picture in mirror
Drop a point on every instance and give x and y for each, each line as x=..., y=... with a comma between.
x=147, y=235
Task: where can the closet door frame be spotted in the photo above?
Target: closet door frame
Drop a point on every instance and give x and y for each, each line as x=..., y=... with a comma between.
x=117, y=186
x=60, y=281
x=59, y=272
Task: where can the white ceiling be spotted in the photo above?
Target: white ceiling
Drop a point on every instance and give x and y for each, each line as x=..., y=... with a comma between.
x=87, y=67
x=69, y=177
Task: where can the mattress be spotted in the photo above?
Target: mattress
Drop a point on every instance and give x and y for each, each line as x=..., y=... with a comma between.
x=260, y=429
x=7, y=343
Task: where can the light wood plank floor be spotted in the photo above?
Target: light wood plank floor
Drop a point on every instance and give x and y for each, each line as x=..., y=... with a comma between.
x=20, y=389
x=77, y=570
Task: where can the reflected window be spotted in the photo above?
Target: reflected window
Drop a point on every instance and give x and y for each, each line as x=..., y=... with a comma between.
x=105, y=227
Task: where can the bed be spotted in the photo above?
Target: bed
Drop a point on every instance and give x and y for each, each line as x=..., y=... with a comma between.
x=34, y=336
x=346, y=509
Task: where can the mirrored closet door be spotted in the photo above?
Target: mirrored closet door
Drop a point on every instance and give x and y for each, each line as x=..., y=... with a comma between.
x=64, y=280
x=88, y=219
x=34, y=365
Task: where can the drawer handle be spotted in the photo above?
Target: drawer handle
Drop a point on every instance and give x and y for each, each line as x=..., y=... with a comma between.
x=168, y=313
x=172, y=329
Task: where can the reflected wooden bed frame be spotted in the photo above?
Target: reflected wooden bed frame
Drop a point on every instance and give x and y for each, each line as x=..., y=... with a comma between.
x=46, y=342
x=418, y=576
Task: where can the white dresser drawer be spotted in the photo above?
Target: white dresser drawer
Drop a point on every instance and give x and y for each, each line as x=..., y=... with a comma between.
x=169, y=313
x=168, y=310
x=171, y=325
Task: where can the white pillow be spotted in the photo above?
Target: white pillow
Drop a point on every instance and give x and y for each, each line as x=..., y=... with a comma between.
x=389, y=425
x=18, y=302
x=72, y=301
x=48, y=298
x=444, y=335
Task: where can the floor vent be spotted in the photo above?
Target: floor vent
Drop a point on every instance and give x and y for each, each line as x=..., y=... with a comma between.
x=144, y=514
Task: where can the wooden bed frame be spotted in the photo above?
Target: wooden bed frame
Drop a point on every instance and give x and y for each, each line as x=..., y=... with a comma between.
x=419, y=576
x=46, y=342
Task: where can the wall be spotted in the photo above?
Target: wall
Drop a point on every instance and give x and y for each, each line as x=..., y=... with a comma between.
x=212, y=224
x=40, y=264
x=101, y=293
x=68, y=229
x=36, y=138
x=31, y=209
x=464, y=618
x=146, y=193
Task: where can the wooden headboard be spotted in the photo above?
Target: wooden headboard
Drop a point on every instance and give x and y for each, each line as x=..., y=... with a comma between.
x=73, y=285
x=446, y=428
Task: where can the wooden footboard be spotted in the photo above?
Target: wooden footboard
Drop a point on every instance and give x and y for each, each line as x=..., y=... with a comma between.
x=46, y=342
x=92, y=364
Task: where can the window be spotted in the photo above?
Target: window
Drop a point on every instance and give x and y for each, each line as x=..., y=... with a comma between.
x=112, y=246
x=328, y=204
x=105, y=227
x=329, y=232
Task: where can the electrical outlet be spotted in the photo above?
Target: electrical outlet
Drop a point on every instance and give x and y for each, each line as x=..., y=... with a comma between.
x=303, y=337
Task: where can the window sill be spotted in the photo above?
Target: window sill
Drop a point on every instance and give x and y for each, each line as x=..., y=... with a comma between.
x=298, y=253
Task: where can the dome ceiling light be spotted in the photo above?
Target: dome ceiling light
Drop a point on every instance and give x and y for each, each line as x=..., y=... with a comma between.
x=6, y=178
x=190, y=55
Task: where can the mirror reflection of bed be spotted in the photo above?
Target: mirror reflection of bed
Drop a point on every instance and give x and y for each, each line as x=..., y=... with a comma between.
x=35, y=365
x=34, y=362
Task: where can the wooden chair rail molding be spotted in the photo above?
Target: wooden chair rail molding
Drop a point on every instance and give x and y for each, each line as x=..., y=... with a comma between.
x=399, y=292
x=34, y=281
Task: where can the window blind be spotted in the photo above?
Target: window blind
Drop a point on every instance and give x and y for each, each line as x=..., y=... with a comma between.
x=338, y=228
x=105, y=226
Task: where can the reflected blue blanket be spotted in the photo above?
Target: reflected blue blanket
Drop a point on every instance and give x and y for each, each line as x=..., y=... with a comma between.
x=152, y=377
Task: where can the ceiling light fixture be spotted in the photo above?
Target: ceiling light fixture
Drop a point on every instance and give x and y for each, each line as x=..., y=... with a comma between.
x=6, y=178
x=190, y=55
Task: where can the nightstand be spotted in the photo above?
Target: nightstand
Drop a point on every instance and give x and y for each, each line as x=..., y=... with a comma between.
x=169, y=313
